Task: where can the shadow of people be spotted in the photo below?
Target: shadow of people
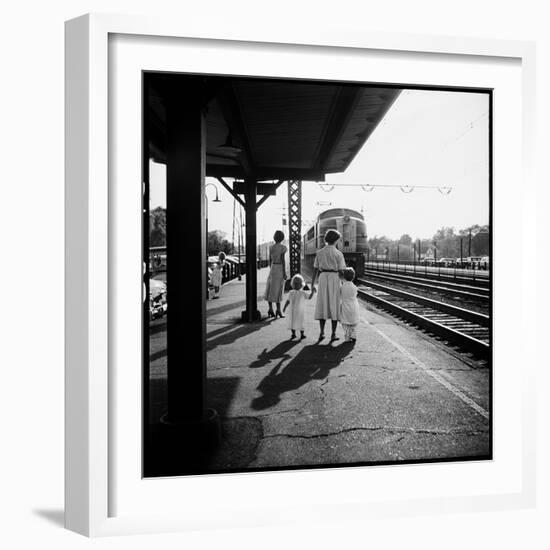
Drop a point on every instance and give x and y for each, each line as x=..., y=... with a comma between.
x=278, y=352
x=313, y=362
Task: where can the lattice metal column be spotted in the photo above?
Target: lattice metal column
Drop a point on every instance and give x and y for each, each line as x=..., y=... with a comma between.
x=294, y=225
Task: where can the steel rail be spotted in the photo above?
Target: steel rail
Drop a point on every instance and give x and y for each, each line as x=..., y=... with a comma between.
x=421, y=277
x=458, y=338
x=420, y=272
x=466, y=314
x=450, y=288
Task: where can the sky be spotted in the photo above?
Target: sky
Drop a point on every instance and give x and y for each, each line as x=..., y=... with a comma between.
x=429, y=138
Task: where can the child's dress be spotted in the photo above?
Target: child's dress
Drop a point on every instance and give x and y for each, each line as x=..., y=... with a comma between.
x=349, y=310
x=216, y=279
x=296, y=308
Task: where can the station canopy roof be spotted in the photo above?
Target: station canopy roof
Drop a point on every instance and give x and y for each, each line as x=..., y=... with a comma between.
x=280, y=129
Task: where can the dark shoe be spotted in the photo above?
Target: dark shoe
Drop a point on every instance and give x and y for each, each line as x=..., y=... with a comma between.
x=279, y=314
x=334, y=337
x=302, y=336
x=270, y=313
x=293, y=335
x=321, y=336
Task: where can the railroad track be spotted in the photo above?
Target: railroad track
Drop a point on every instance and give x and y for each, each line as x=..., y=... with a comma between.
x=482, y=282
x=466, y=329
x=459, y=290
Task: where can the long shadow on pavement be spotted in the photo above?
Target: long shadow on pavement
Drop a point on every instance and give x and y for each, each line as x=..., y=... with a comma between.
x=221, y=330
x=223, y=308
x=278, y=352
x=229, y=338
x=158, y=325
x=215, y=337
x=313, y=362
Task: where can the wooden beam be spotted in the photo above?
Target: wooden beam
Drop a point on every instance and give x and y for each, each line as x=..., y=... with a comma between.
x=269, y=189
x=265, y=173
x=226, y=185
x=251, y=313
x=234, y=171
x=265, y=197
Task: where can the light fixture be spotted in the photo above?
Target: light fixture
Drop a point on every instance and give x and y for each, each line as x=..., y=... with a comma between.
x=368, y=188
x=228, y=147
x=217, y=199
x=407, y=189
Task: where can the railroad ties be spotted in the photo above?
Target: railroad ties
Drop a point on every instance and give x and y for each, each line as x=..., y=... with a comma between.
x=461, y=327
x=467, y=329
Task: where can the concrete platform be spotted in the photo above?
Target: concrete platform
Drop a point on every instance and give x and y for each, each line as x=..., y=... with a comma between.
x=396, y=395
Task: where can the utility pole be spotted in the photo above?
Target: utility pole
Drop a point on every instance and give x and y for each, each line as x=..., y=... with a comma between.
x=240, y=241
x=233, y=229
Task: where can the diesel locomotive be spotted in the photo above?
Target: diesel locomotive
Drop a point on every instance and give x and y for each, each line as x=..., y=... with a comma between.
x=353, y=244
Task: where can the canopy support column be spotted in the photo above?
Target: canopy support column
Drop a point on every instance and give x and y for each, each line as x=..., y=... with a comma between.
x=251, y=313
x=294, y=225
x=186, y=267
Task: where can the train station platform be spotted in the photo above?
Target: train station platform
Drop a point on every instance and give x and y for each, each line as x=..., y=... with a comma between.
x=396, y=394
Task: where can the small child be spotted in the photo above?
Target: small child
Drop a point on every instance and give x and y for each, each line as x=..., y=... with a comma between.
x=349, y=306
x=216, y=279
x=297, y=301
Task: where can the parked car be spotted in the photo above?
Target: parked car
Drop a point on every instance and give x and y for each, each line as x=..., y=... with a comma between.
x=158, y=304
x=446, y=262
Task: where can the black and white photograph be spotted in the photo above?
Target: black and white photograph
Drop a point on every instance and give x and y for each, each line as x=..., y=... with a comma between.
x=317, y=274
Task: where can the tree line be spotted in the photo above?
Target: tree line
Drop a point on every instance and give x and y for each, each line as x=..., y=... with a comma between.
x=446, y=242
x=217, y=241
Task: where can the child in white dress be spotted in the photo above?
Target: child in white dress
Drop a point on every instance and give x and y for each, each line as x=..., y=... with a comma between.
x=349, y=306
x=216, y=279
x=297, y=301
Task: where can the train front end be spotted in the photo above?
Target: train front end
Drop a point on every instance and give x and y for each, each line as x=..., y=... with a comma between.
x=353, y=244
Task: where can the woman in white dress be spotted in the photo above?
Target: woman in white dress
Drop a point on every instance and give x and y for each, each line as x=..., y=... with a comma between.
x=329, y=262
x=277, y=275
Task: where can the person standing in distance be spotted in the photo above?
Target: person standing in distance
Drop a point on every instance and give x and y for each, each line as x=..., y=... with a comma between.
x=277, y=275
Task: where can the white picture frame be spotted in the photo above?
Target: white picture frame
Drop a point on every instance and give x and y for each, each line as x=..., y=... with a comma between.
x=94, y=444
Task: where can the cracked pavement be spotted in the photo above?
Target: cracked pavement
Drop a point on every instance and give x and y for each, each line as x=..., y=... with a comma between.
x=288, y=402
